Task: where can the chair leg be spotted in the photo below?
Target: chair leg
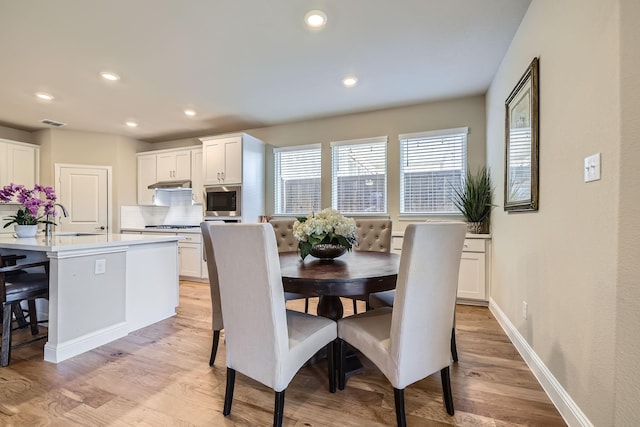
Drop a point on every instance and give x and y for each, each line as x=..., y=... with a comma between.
x=398, y=395
x=446, y=390
x=278, y=412
x=306, y=305
x=5, y=350
x=355, y=306
x=331, y=366
x=228, y=395
x=214, y=347
x=19, y=314
x=454, y=348
x=33, y=317
x=341, y=362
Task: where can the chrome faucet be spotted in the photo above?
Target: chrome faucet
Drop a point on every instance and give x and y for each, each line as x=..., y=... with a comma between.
x=47, y=226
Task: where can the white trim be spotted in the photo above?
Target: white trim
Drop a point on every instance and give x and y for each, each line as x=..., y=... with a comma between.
x=373, y=140
x=57, y=354
x=430, y=133
x=570, y=411
x=298, y=148
x=75, y=253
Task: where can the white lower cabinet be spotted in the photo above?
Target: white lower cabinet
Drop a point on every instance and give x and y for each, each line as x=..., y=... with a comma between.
x=190, y=253
x=475, y=268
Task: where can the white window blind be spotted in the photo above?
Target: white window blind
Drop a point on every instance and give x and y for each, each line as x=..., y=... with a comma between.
x=431, y=164
x=297, y=180
x=359, y=176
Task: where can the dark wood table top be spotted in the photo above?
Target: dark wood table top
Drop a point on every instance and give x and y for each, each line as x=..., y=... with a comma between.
x=354, y=273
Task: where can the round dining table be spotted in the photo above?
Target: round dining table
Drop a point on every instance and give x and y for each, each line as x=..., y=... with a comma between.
x=353, y=274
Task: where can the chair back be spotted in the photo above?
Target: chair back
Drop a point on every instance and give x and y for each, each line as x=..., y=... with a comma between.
x=425, y=299
x=374, y=235
x=252, y=297
x=283, y=229
x=216, y=309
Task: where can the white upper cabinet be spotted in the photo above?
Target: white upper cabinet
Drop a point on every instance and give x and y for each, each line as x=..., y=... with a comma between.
x=19, y=163
x=196, y=175
x=174, y=165
x=222, y=160
x=146, y=176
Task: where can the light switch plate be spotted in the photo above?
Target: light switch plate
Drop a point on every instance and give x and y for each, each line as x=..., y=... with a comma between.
x=101, y=266
x=592, y=168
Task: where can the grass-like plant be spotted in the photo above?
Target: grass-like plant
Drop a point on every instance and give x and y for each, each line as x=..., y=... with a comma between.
x=474, y=198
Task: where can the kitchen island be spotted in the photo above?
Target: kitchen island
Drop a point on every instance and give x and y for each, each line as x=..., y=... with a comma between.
x=102, y=287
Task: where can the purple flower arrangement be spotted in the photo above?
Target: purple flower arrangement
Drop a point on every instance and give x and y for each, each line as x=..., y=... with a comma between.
x=31, y=200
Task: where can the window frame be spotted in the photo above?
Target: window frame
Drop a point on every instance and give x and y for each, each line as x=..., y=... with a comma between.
x=440, y=133
x=334, y=176
x=277, y=173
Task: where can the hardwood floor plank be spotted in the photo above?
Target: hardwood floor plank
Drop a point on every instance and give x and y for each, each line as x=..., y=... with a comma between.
x=160, y=376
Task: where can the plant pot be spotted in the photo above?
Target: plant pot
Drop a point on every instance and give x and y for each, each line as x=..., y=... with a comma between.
x=478, y=227
x=326, y=251
x=25, y=230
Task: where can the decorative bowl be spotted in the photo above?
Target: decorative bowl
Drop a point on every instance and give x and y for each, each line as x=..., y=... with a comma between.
x=327, y=251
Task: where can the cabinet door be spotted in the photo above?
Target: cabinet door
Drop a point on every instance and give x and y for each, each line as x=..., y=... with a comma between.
x=166, y=164
x=22, y=165
x=182, y=168
x=196, y=176
x=471, y=283
x=213, y=162
x=190, y=255
x=233, y=162
x=146, y=177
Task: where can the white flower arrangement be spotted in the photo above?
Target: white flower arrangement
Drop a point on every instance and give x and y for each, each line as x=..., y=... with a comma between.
x=325, y=227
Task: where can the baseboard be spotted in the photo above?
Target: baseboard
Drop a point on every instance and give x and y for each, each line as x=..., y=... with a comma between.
x=569, y=410
x=62, y=351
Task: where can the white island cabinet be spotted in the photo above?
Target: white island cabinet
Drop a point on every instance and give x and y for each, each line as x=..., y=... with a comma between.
x=102, y=287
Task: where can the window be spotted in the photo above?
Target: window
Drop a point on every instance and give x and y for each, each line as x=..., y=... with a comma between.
x=359, y=176
x=297, y=180
x=431, y=164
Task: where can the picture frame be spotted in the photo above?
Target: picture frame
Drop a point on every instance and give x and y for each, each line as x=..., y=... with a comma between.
x=522, y=143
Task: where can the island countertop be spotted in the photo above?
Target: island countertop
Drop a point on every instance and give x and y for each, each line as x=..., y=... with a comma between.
x=71, y=241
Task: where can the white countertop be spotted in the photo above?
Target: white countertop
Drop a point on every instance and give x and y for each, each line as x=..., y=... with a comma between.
x=61, y=242
x=194, y=230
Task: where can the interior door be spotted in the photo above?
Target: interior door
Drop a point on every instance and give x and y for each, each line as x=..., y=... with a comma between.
x=84, y=192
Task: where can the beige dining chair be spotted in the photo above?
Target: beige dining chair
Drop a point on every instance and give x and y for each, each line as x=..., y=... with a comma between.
x=410, y=340
x=374, y=235
x=385, y=299
x=216, y=310
x=286, y=241
x=264, y=340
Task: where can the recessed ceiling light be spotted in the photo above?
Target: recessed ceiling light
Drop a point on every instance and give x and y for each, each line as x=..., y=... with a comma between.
x=132, y=124
x=108, y=75
x=315, y=19
x=349, y=81
x=190, y=112
x=44, y=96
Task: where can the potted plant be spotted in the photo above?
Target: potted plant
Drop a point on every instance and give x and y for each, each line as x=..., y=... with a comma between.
x=326, y=234
x=27, y=217
x=474, y=200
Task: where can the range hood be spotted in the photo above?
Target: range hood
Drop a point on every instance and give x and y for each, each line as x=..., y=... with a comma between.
x=170, y=185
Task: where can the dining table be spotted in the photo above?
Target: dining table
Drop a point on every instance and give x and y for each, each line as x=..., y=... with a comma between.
x=353, y=274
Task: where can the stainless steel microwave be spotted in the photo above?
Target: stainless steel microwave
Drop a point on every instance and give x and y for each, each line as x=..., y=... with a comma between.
x=222, y=201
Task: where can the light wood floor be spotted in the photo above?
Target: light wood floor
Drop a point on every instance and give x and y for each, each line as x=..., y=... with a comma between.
x=159, y=376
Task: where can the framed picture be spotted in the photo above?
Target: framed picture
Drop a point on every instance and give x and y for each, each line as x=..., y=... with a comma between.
x=521, y=143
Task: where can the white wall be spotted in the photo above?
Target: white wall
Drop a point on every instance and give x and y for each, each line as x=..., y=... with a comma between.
x=563, y=259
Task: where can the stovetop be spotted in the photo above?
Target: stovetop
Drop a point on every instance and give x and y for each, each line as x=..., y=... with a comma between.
x=166, y=227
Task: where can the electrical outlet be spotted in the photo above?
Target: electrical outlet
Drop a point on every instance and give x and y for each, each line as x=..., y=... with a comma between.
x=100, y=266
x=525, y=310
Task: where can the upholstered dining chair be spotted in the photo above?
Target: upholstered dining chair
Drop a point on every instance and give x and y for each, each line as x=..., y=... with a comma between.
x=216, y=310
x=410, y=340
x=374, y=235
x=385, y=299
x=264, y=340
x=286, y=241
x=20, y=281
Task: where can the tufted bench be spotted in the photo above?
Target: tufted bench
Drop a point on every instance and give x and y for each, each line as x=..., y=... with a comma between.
x=287, y=243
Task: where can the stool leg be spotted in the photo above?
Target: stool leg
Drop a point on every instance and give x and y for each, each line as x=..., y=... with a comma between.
x=33, y=317
x=5, y=350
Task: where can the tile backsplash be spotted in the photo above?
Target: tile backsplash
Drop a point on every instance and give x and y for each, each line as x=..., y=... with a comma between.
x=177, y=209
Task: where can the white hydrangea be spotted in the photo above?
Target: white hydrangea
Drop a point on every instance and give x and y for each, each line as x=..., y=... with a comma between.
x=322, y=223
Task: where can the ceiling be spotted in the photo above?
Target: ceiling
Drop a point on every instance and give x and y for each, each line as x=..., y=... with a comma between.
x=240, y=64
